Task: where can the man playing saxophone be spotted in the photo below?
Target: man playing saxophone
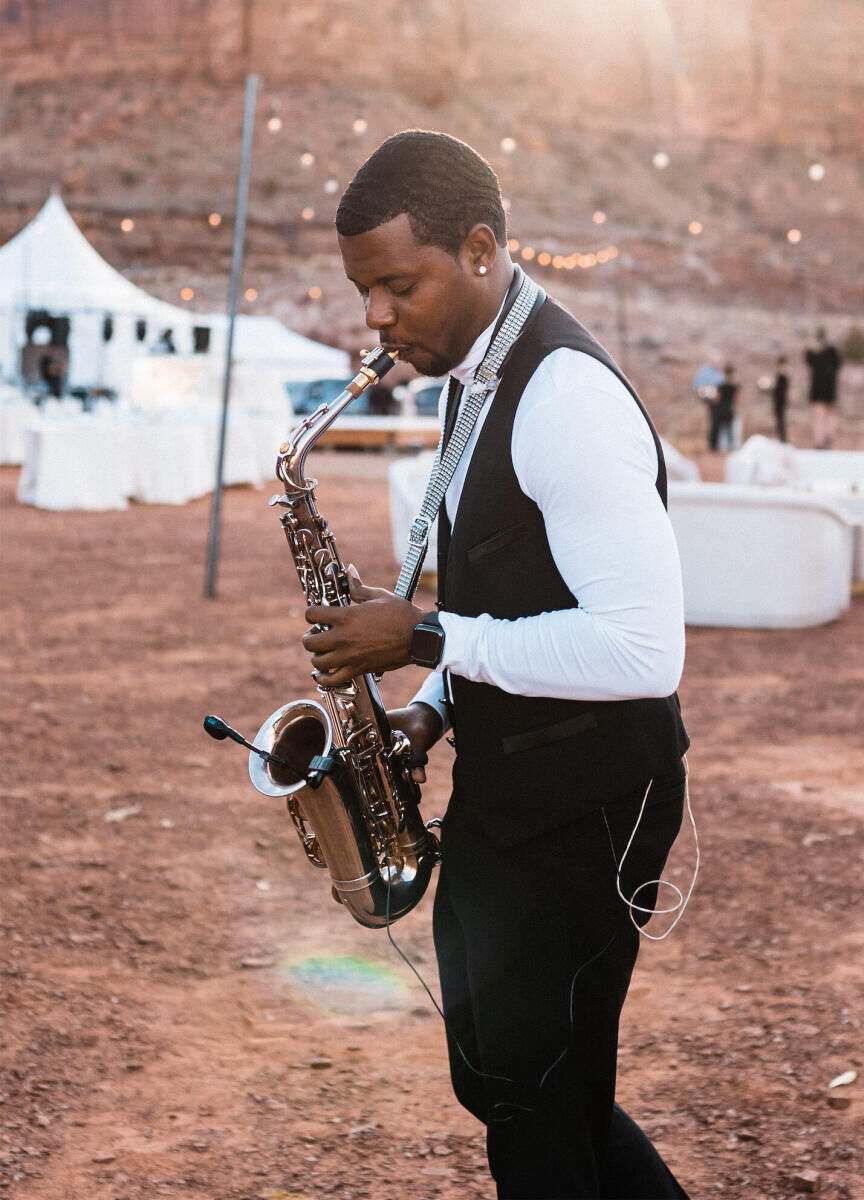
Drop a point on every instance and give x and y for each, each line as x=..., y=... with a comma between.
x=554, y=657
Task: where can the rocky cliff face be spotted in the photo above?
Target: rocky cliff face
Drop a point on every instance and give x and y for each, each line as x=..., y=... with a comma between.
x=133, y=109
x=767, y=70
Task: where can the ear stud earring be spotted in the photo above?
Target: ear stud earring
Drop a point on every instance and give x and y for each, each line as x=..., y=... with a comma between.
x=482, y=270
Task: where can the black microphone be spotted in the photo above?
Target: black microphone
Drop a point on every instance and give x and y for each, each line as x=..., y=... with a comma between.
x=220, y=730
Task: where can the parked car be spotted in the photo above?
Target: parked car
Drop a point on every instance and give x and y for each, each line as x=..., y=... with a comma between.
x=307, y=397
x=419, y=397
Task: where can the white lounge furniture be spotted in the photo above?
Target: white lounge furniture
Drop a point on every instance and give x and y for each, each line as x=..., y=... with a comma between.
x=407, y=479
x=677, y=466
x=760, y=557
x=751, y=556
x=834, y=474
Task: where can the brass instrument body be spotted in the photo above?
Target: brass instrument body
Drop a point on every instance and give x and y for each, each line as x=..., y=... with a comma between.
x=361, y=819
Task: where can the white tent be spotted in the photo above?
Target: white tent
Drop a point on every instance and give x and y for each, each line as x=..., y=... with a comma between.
x=51, y=266
x=266, y=342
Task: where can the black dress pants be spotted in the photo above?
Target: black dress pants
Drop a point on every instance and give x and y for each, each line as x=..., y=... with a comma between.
x=535, y=951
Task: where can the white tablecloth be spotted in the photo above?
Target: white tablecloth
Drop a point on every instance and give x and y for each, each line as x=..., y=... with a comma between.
x=80, y=463
x=16, y=415
x=102, y=461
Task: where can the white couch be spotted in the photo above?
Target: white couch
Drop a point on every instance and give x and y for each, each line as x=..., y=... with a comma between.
x=761, y=557
x=838, y=474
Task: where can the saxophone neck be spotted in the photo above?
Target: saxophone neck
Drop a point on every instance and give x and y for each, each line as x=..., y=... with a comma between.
x=292, y=453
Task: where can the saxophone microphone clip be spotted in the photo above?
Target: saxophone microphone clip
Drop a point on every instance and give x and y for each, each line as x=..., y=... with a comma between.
x=220, y=730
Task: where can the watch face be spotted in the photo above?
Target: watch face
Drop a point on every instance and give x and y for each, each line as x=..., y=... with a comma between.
x=426, y=645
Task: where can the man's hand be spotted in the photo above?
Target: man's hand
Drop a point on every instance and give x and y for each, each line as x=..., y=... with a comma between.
x=422, y=725
x=372, y=633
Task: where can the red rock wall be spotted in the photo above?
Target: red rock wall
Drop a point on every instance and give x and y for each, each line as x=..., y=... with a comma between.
x=770, y=70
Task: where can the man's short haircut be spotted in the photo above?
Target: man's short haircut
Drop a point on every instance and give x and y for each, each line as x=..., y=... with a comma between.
x=443, y=186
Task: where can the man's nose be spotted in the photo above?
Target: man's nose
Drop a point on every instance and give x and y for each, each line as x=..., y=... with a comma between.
x=379, y=310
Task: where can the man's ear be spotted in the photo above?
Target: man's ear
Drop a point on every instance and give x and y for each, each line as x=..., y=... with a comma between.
x=479, y=250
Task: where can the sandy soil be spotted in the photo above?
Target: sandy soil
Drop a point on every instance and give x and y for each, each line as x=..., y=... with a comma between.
x=186, y=1013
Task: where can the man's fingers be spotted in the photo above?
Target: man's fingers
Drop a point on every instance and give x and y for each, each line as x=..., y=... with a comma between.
x=319, y=640
x=324, y=614
x=328, y=660
x=331, y=679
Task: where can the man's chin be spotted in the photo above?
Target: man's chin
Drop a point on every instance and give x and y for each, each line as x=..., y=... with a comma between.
x=424, y=362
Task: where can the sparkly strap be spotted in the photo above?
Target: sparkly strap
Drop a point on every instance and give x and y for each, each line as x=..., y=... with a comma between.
x=447, y=458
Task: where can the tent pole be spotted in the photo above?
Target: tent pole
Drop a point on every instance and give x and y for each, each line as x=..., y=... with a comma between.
x=236, y=270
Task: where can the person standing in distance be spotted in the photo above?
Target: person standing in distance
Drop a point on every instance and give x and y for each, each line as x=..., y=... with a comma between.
x=780, y=395
x=723, y=416
x=554, y=656
x=824, y=362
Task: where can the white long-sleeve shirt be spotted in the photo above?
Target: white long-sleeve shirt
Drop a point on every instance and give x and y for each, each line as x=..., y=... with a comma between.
x=583, y=452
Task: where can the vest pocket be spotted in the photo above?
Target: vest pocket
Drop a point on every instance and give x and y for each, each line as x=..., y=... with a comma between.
x=548, y=734
x=497, y=541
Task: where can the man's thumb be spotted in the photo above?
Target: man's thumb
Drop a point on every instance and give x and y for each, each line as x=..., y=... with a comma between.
x=355, y=584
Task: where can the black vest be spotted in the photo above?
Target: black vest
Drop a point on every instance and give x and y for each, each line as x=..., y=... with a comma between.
x=525, y=764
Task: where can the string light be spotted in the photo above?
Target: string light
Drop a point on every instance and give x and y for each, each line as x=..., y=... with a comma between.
x=215, y=219
x=250, y=294
x=331, y=186
x=307, y=159
x=695, y=227
x=562, y=262
x=661, y=160
x=307, y=214
x=274, y=124
x=794, y=236
x=508, y=145
x=187, y=293
x=816, y=172
x=315, y=293
x=360, y=125
x=127, y=224
x=599, y=217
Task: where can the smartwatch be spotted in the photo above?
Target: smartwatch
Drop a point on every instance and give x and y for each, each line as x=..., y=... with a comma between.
x=427, y=641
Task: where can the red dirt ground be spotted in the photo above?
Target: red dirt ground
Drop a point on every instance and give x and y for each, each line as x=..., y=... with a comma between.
x=185, y=1012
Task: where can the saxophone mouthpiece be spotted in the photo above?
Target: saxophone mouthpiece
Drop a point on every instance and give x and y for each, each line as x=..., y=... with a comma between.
x=373, y=365
x=378, y=361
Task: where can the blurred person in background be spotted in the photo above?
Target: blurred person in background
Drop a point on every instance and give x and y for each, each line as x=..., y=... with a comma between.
x=381, y=401
x=780, y=396
x=824, y=362
x=705, y=384
x=722, y=410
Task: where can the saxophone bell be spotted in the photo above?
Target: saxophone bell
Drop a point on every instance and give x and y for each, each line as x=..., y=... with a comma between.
x=294, y=734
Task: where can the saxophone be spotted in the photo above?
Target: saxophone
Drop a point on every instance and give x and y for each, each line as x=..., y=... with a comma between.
x=345, y=773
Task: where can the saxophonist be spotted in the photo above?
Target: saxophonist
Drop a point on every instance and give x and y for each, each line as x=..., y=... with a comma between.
x=554, y=656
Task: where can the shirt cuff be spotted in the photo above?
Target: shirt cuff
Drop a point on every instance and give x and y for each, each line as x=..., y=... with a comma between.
x=432, y=693
x=463, y=639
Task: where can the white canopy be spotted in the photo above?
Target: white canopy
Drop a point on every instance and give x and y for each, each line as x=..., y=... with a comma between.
x=266, y=342
x=50, y=265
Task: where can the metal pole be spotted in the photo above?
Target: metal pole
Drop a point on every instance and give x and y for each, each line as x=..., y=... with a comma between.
x=621, y=315
x=236, y=271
